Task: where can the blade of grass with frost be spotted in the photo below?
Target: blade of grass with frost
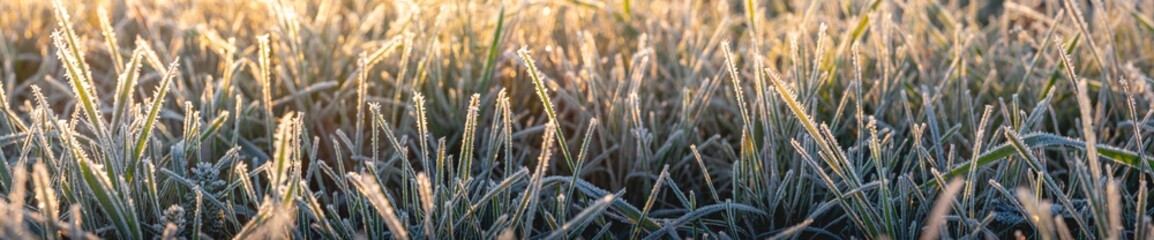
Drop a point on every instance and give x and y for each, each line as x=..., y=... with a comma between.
x=543, y=94
x=705, y=173
x=501, y=187
x=507, y=129
x=968, y=190
x=678, y=193
x=496, y=133
x=46, y=196
x=42, y=116
x=1094, y=192
x=286, y=157
x=491, y=59
x=442, y=168
x=64, y=23
x=810, y=126
x=1141, y=209
x=196, y=219
x=150, y=54
x=425, y=189
x=314, y=209
x=731, y=65
x=265, y=79
x=149, y=188
x=423, y=133
x=1045, y=140
x=402, y=150
x=1093, y=188
x=1086, y=109
x=238, y=108
x=526, y=210
x=818, y=58
x=1075, y=13
x=247, y=188
x=214, y=127
x=375, y=137
x=1057, y=73
x=77, y=73
x=649, y=201
x=1138, y=140
x=887, y=206
x=1023, y=149
x=1034, y=60
x=371, y=190
x=125, y=84
x=836, y=156
x=468, y=139
x=150, y=120
x=1130, y=110
x=110, y=40
x=71, y=53
x=1038, y=112
x=932, y=123
x=581, y=156
x=362, y=88
x=832, y=185
x=122, y=216
x=191, y=127
x=577, y=223
x=403, y=73
x=12, y=119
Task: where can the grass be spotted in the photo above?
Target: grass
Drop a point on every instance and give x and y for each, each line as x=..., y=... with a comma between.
x=585, y=119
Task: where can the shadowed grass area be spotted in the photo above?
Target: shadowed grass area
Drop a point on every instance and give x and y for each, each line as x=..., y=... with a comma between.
x=590, y=119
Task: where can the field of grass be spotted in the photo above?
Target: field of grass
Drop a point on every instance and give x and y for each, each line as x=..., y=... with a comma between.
x=565, y=119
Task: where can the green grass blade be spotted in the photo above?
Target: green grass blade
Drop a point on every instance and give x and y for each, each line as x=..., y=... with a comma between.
x=125, y=84
x=491, y=59
x=150, y=120
x=122, y=216
x=543, y=94
x=1042, y=140
x=214, y=127
x=81, y=87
